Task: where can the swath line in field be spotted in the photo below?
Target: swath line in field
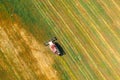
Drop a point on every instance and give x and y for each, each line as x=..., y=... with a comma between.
x=103, y=39
x=73, y=59
x=88, y=35
x=104, y=42
x=91, y=40
x=75, y=20
x=75, y=37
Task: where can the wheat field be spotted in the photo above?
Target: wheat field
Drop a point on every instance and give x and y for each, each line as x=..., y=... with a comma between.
x=87, y=30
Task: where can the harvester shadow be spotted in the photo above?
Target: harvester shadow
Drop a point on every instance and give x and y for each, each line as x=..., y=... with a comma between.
x=62, y=52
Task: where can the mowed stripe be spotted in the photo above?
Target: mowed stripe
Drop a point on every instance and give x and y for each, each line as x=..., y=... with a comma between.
x=69, y=30
x=72, y=58
x=67, y=68
x=64, y=29
x=77, y=41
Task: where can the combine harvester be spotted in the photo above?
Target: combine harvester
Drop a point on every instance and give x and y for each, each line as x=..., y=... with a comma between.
x=52, y=45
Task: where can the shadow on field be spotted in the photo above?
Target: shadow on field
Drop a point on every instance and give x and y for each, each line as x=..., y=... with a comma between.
x=62, y=52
